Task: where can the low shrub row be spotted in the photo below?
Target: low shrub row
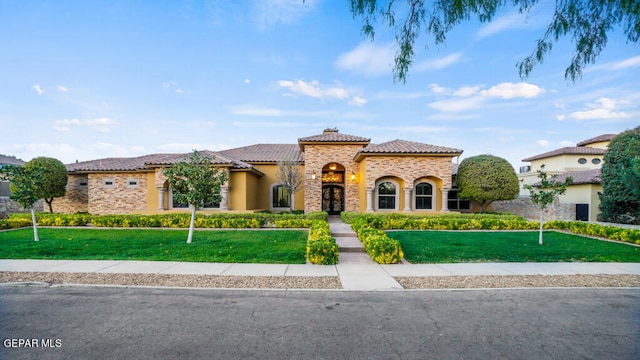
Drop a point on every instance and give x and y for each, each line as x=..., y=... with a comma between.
x=322, y=248
x=484, y=222
x=14, y=223
x=380, y=247
x=441, y=222
x=608, y=232
x=174, y=220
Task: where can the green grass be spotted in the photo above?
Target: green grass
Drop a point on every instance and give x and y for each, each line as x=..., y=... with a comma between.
x=246, y=246
x=495, y=246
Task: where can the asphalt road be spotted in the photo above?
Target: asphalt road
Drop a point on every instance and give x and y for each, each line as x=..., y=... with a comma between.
x=136, y=323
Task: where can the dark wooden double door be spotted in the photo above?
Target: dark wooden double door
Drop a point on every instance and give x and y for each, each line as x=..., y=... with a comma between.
x=333, y=199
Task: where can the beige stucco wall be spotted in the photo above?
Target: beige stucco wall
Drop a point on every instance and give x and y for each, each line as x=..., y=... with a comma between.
x=559, y=164
x=316, y=157
x=76, y=198
x=584, y=194
x=262, y=199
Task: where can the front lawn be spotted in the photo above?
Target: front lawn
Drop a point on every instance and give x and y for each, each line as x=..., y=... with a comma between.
x=229, y=246
x=495, y=246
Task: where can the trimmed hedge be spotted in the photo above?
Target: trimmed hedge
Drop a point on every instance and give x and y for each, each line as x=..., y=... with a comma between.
x=484, y=222
x=322, y=248
x=608, y=232
x=174, y=220
x=380, y=247
x=441, y=222
x=14, y=223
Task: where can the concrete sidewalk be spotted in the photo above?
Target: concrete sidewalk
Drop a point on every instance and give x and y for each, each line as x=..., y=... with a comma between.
x=369, y=277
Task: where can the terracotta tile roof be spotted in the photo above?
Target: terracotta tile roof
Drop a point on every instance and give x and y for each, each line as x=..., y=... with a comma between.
x=407, y=147
x=332, y=135
x=597, y=139
x=591, y=176
x=572, y=150
x=10, y=160
x=147, y=161
x=265, y=153
x=581, y=177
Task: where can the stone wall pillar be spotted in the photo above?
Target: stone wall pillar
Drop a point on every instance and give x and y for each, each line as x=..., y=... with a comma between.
x=161, y=194
x=407, y=200
x=369, y=200
x=224, y=201
x=445, y=200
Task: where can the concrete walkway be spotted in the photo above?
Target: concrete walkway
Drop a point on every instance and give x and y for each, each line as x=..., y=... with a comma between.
x=364, y=277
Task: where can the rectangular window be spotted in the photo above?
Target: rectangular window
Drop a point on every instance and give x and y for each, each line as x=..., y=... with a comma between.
x=5, y=190
x=386, y=202
x=108, y=183
x=132, y=183
x=457, y=204
x=83, y=183
x=280, y=198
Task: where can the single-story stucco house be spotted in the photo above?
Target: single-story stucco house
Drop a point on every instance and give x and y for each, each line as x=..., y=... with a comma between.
x=341, y=173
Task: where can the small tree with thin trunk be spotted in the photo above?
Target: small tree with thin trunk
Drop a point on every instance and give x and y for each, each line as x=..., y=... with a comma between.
x=53, y=182
x=25, y=189
x=545, y=192
x=195, y=182
x=291, y=177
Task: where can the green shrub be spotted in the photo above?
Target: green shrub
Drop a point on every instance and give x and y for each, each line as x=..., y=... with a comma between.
x=608, y=232
x=294, y=223
x=14, y=223
x=323, y=250
x=321, y=247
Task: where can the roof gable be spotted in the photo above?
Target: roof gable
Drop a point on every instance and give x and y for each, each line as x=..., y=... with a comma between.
x=406, y=147
x=597, y=139
x=332, y=136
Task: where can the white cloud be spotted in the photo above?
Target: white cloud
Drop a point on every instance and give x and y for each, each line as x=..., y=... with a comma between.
x=561, y=117
x=102, y=125
x=437, y=64
x=543, y=143
x=368, y=59
x=358, y=101
x=266, y=124
x=250, y=110
x=179, y=91
x=437, y=89
x=273, y=12
x=509, y=90
x=169, y=84
x=509, y=21
x=319, y=91
x=38, y=89
x=602, y=109
x=63, y=88
x=467, y=91
x=457, y=105
x=247, y=81
x=627, y=63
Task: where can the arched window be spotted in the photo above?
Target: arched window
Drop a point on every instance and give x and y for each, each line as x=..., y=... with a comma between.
x=387, y=195
x=279, y=196
x=424, y=196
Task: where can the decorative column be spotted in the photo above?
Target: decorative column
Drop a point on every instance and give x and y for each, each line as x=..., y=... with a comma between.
x=445, y=200
x=369, y=200
x=161, y=192
x=224, y=201
x=407, y=200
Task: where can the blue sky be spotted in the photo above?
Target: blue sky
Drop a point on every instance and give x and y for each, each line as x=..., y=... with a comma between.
x=83, y=80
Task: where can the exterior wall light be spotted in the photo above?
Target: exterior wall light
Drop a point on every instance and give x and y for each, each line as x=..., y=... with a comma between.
x=313, y=176
x=353, y=176
x=333, y=166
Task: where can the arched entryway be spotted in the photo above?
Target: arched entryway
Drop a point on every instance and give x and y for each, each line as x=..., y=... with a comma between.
x=333, y=188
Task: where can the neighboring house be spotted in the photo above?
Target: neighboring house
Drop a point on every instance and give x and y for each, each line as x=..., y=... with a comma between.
x=581, y=162
x=342, y=173
x=7, y=205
